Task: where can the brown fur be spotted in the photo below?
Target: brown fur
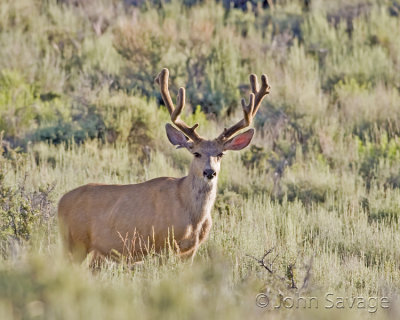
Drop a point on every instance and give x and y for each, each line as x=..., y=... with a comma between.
x=134, y=219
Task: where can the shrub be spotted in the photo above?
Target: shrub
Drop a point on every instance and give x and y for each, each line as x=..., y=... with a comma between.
x=23, y=109
x=21, y=211
x=376, y=157
x=364, y=108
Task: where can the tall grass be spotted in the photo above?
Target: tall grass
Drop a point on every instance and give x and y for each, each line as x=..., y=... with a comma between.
x=319, y=185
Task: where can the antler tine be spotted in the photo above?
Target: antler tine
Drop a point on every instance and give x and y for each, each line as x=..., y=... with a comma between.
x=162, y=80
x=250, y=110
x=254, y=83
x=260, y=94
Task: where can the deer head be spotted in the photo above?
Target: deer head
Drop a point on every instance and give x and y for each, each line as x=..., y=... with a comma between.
x=208, y=153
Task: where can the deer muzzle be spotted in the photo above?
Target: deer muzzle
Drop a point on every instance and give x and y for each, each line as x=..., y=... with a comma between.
x=209, y=173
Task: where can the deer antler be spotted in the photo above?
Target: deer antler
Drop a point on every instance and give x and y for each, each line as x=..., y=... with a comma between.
x=250, y=110
x=162, y=80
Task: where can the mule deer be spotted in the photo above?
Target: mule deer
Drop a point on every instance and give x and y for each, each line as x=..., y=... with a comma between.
x=137, y=218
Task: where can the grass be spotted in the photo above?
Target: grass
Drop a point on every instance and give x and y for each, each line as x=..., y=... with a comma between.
x=320, y=184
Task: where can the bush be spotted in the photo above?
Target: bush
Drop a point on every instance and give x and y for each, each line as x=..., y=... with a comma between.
x=378, y=161
x=357, y=107
x=21, y=212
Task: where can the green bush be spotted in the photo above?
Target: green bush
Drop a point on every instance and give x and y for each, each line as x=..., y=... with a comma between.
x=23, y=109
x=21, y=211
x=17, y=214
x=374, y=156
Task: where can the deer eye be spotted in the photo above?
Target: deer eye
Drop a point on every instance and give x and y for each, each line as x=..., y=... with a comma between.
x=197, y=155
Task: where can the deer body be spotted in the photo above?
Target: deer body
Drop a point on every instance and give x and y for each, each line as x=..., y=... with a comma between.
x=135, y=219
x=139, y=217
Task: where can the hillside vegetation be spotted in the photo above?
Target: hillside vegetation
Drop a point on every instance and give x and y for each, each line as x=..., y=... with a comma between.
x=320, y=184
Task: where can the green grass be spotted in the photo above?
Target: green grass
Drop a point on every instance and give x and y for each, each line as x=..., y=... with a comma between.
x=320, y=183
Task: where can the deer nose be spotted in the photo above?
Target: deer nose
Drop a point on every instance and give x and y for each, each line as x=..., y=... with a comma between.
x=209, y=173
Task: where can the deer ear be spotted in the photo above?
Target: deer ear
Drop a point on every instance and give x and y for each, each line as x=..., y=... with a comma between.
x=177, y=138
x=240, y=141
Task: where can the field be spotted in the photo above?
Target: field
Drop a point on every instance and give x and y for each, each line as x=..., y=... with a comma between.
x=319, y=187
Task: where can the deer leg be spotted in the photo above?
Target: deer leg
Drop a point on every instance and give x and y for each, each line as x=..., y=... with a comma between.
x=203, y=234
x=76, y=250
x=97, y=259
x=193, y=254
x=187, y=247
x=205, y=230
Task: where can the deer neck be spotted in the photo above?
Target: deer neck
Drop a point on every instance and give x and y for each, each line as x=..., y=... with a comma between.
x=201, y=196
